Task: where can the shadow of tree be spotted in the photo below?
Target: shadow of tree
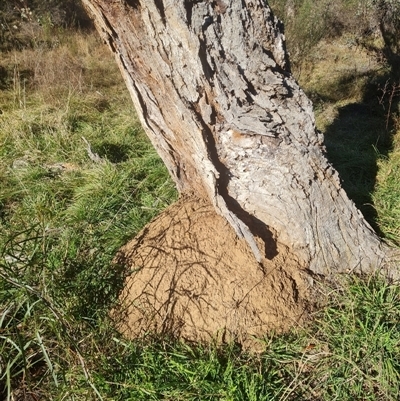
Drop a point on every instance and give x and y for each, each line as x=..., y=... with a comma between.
x=354, y=141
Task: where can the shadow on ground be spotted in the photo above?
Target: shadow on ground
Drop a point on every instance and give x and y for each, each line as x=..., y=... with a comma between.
x=355, y=140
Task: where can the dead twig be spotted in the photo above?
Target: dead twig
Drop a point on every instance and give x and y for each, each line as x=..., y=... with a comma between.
x=93, y=156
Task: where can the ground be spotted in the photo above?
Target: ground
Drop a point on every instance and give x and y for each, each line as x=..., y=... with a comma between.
x=192, y=277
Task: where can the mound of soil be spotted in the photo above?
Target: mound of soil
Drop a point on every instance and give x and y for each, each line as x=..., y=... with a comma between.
x=193, y=278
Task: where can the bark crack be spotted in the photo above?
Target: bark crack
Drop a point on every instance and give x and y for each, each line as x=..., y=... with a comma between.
x=244, y=223
x=161, y=9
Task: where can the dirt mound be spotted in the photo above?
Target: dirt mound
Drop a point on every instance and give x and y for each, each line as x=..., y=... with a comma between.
x=193, y=278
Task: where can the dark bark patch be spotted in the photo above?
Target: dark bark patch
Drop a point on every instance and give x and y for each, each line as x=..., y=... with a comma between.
x=132, y=3
x=161, y=9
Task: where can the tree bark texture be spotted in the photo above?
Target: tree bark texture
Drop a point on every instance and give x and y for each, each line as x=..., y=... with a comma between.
x=211, y=83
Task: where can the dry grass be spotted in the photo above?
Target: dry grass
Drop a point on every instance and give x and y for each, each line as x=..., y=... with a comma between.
x=76, y=64
x=336, y=74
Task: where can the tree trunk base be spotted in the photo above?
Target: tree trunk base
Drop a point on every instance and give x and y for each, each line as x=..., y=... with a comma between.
x=193, y=278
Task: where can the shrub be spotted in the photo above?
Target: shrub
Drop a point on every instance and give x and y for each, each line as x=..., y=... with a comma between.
x=374, y=24
x=24, y=22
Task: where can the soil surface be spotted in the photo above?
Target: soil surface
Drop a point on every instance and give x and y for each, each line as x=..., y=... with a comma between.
x=192, y=277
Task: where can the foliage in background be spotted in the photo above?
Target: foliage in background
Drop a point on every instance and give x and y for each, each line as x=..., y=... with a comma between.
x=29, y=22
x=65, y=212
x=373, y=24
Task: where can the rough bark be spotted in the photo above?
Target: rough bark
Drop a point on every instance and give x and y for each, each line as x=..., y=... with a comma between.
x=211, y=83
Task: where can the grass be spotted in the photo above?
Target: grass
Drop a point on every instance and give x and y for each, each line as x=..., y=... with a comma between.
x=63, y=216
x=387, y=194
x=358, y=334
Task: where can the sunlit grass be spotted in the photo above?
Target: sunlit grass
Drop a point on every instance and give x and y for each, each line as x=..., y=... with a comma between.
x=387, y=193
x=62, y=215
x=358, y=338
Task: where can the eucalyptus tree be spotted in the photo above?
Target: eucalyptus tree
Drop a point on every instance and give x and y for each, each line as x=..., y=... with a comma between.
x=212, y=86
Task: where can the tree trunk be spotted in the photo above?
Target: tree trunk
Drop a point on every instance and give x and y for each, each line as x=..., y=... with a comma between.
x=211, y=83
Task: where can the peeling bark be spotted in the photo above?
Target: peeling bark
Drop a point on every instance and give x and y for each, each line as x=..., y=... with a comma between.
x=211, y=83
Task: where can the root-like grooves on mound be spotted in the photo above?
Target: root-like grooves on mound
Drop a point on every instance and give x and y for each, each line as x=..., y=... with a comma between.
x=193, y=278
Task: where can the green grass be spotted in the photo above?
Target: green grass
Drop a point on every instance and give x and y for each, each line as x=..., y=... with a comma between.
x=359, y=338
x=63, y=217
x=387, y=194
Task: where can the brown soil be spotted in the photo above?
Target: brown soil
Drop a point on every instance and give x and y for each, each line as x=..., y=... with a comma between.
x=193, y=278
